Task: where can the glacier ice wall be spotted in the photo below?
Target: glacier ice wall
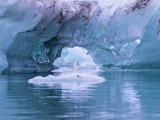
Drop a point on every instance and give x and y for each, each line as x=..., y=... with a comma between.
x=117, y=33
x=146, y=55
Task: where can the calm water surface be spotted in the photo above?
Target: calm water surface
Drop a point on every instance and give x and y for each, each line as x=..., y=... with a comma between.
x=123, y=96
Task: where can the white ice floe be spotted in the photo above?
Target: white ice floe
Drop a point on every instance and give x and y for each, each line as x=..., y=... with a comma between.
x=70, y=80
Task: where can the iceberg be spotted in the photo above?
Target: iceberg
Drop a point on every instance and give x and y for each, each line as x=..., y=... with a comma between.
x=122, y=34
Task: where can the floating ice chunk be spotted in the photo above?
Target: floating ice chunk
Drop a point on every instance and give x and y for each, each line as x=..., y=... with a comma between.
x=72, y=80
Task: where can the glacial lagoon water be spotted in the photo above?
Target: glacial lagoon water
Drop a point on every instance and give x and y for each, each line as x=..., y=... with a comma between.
x=124, y=95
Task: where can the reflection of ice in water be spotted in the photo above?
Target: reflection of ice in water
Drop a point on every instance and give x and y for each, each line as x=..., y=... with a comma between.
x=130, y=96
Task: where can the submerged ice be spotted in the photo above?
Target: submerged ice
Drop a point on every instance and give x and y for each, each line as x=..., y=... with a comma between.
x=119, y=33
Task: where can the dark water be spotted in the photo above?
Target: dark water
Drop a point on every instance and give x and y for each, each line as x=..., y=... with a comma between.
x=123, y=96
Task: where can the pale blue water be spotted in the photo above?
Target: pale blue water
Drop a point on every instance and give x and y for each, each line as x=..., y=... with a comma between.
x=123, y=96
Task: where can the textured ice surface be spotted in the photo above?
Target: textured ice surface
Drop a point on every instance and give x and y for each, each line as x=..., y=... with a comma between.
x=33, y=32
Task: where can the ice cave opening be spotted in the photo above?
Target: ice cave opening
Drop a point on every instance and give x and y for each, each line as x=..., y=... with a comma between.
x=75, y=58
